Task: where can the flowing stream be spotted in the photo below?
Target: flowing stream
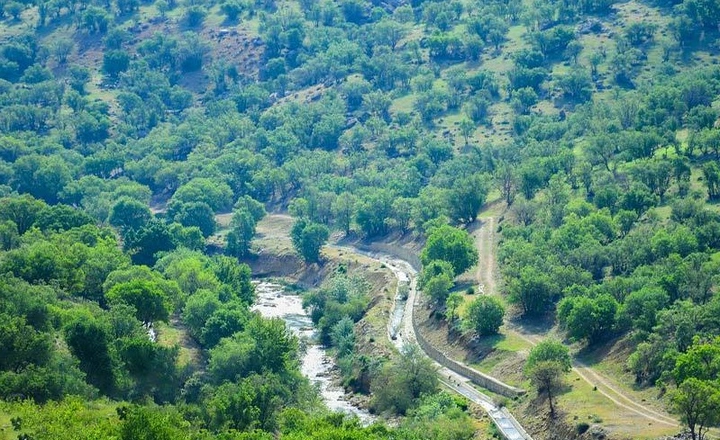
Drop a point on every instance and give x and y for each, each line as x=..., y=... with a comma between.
x=274, y=302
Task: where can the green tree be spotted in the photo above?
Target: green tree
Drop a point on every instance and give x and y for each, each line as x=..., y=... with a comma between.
x=388, y=32
x=199, y=308
x=533, y=290
x=21, y=210
x=452, y=245
x=22, y=344
x=9, y=237
x=218, y=195
x=452, y=304
x=145, y=243
x=344, y=210
x=576, y=84
x=467, y=128
x=546, y=365
x=190, y=237
x=698, y=403
x=146, y=423
x=711, y=171
x=438, y=288
x=477, y=109
x=89, y=341
x=591, y=319
x=149, y=299
x=195, y=15
x=223, y=323
x=400, y=383
x=466, y=197
x=129, y=214
x=523, y=99
x=436, y=280
x=61, y=218
x=308, y=237
x=373, y=211
x=198, y=214
x=115, y=62
x=642, y=307
x=485, y=315
x=242, y=231
x=342, y=335
x=265, y=345
x=232, y=9
x=41, y=177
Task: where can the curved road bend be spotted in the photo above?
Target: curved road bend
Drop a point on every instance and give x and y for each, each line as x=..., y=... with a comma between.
x=485, y=242
x=405, y=334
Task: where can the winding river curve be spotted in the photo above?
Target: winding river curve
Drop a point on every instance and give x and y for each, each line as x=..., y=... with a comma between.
x=274, y=302
x=317, y=365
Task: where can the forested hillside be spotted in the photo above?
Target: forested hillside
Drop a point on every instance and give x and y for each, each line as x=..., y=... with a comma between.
x=128, y=126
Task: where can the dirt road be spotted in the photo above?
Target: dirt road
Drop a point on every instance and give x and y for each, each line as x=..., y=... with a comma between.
x=484, y=237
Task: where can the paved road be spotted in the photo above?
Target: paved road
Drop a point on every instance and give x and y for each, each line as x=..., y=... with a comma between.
x=402, y=333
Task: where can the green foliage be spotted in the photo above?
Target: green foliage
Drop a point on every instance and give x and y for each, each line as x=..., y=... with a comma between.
x=71, y=416
x=145, y=423
x=197, y=214
x=217, y=195
x=698, y=403
x=145, y=243
x=439, y=416
x=22, y=211
x=591, y=319
x=61, y=218
x=194, y=16
x=149, y=299
x=248, y=212
x=115, y=62
x=548, y=362
x=129, y=215
x=452, y=245
x=89, y=341
x=436, y=280
x=533, y=291
x=484, y=315
x=341, y=296
x=466, y=197
x=264, y=346
x=549, y=351
x=308, y=237
x=399, y=385
x=316, y=116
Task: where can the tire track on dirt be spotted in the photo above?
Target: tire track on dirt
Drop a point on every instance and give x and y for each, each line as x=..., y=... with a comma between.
x=484, y=242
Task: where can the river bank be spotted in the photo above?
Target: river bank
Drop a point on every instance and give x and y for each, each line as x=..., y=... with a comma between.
x=274, y=301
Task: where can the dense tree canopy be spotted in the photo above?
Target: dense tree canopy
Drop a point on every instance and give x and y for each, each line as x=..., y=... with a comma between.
x=452, y=245
x=587, y=129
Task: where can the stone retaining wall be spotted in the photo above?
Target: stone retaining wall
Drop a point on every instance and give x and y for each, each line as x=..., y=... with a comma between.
x=477, y=377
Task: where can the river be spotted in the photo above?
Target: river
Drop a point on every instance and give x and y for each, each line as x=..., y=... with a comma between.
x=274, y=302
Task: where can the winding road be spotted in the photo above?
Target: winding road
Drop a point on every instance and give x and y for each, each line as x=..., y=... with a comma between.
x=402, y=332
x=485, y=244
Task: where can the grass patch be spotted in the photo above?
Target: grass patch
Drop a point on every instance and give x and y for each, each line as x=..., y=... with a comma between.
x=6, y=430
x=169, y=336
x=402, y=105
x=589, y=405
